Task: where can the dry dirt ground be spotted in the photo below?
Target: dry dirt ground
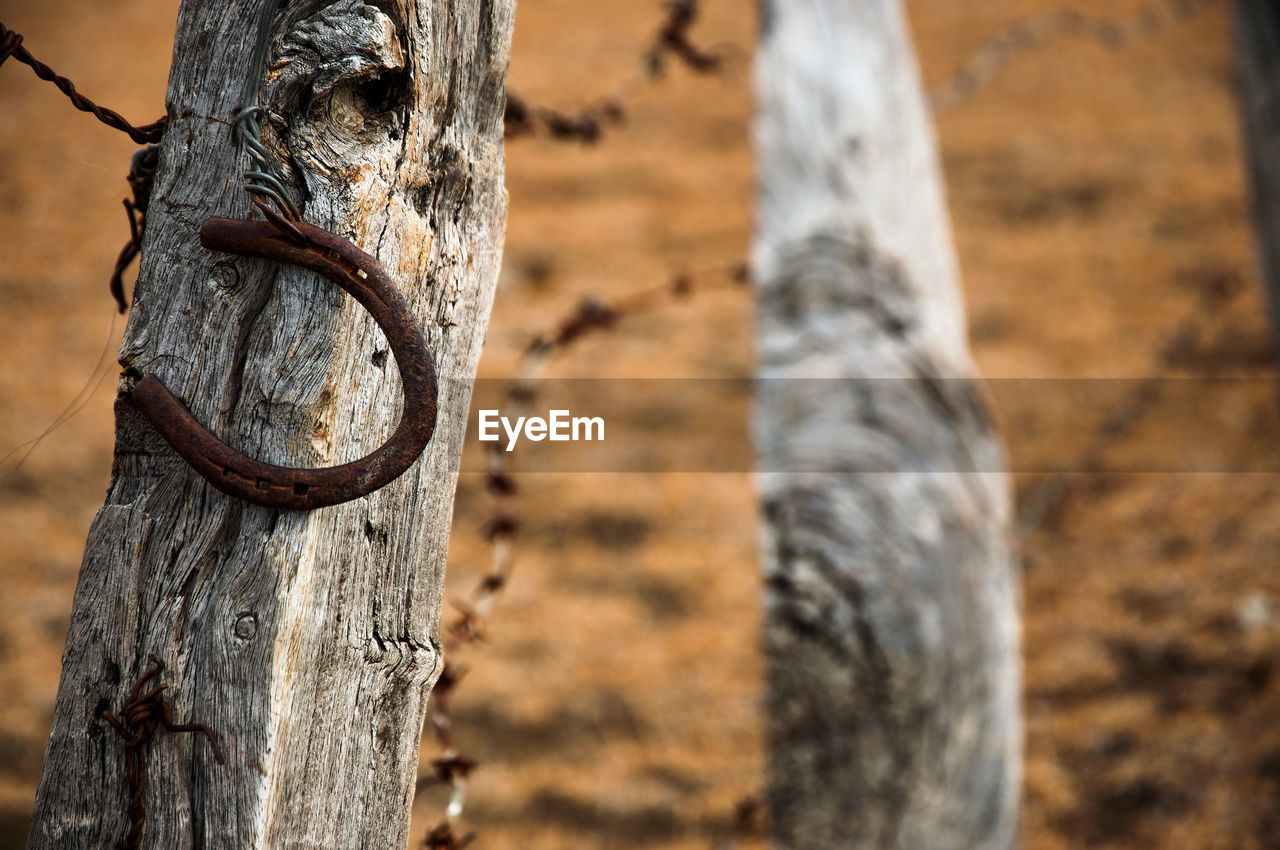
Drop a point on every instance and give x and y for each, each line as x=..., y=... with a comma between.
x=1098, y=201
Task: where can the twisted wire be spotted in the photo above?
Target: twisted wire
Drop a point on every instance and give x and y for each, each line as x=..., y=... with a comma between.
x=259, y=182
x=11, y=45
x=259, y=178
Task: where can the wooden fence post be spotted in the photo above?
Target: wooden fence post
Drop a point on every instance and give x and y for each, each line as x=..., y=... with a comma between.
x=893, y=674
x=307, y=640
x=1257, y=31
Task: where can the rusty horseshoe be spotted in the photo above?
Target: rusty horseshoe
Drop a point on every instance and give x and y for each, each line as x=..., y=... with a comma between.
x=361, y=276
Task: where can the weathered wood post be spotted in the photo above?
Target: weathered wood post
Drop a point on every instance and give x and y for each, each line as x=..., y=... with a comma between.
x=306, y=640
x=1257, y=32
x=893, y=674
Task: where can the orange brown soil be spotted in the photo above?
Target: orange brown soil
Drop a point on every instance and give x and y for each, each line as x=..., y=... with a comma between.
x=1095, y=195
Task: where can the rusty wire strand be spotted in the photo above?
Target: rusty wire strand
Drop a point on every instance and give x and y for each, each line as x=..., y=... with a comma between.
x=1028, y=34
x=587, y=125
x=142, y=168
x=101, y=369
x=1050, y=494
x=11, y=45
x=673, y=40
x=144, y=715
x=591, y=314
x=469, y=626
x=142, y=172
x=443, y=837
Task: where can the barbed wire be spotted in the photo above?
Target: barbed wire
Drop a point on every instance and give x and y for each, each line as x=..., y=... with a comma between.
x=11, y=45
x=470, y=625
x=1051, y=494
x=591, y=314
x=142, y=168
x=586, y=125
x=1030, y=33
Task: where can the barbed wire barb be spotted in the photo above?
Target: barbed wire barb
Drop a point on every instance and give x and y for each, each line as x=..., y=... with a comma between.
x=587, y=124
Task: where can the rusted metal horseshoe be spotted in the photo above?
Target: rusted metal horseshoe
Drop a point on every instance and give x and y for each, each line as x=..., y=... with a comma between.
x=289, y=488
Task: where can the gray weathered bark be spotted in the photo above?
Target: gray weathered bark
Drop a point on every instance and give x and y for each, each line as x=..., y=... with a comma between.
x=893, y=670
x=308, y=641
x=1257, y=29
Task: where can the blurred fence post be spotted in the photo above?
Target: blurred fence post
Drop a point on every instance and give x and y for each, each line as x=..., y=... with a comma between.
x=1257, y=31
x=307, y=641
x=892, y=629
